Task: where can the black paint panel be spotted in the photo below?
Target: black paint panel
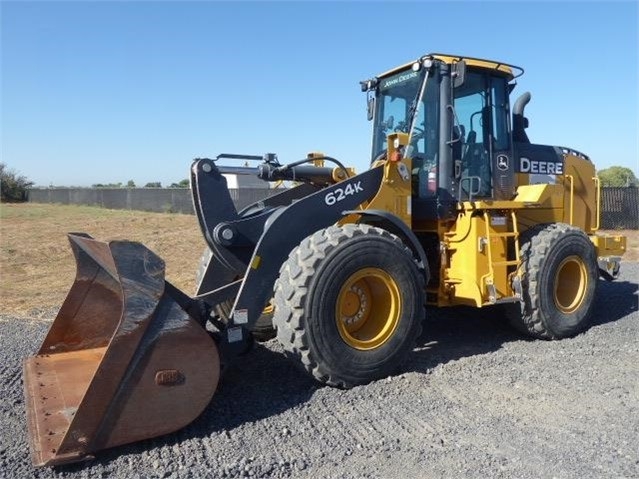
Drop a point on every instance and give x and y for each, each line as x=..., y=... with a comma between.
x=289, y=228
x=540, y=154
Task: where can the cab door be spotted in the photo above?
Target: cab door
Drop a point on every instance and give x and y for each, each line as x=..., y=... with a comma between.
x=483, y=156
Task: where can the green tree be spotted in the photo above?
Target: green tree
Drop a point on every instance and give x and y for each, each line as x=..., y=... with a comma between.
x=107, y=185
x=617, y=176
x=182, y=184
x=13, y=187
x=130, y=184
x=153, y=184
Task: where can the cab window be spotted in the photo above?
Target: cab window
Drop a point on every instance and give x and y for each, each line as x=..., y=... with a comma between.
x=482, y=124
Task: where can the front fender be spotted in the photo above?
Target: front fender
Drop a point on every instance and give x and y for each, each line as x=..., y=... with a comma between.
x=285, y=231
x=393, y=224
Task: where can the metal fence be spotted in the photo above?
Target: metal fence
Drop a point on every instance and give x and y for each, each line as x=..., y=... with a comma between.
x=165, y=200
x=619, y=206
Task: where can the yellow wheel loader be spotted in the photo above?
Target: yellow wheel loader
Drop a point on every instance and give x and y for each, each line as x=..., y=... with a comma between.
x=458, y=207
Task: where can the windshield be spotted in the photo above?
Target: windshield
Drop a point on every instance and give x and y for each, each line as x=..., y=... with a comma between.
x=397, y=105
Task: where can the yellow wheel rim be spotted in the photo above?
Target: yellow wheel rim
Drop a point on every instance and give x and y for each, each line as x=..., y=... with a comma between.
x=368, y=309
x=571, y=283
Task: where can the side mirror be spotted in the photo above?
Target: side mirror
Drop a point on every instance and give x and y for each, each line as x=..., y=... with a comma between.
x=370, y=107
x=459, y=73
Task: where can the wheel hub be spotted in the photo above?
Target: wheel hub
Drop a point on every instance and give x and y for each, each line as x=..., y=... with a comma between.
x=368, y=308
x=571, y=281
x=355, y=305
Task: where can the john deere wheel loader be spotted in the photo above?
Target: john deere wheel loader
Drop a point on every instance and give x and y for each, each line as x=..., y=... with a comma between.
x=458, y=208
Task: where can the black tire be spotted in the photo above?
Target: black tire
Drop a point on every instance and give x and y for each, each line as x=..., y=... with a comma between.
x=365, y=270
x=559, y=282
x=263, y=329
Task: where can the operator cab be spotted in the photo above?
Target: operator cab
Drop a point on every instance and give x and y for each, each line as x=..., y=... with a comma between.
x=457, y=115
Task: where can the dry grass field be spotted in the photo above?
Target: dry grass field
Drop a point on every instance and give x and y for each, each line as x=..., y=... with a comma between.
x=36, y=263
x=37, y=267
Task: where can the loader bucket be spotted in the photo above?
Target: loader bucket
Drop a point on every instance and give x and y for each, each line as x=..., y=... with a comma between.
x=122, y=361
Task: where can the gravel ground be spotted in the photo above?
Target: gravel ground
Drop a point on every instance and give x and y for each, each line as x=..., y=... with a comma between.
x=474, y=400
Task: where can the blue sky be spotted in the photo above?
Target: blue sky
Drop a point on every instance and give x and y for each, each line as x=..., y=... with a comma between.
x=100, y=92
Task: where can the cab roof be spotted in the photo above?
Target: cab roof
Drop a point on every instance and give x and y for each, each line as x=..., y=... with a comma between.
x=511, y=71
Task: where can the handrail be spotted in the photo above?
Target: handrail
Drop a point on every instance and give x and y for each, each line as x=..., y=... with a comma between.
x=598, y=202
x=513, y=216
x=471, y=192
x=572, y=196
x=489, y=278
x=488, y=246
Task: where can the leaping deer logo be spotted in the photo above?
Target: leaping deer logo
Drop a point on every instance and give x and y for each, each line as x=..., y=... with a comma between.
x=502, y=162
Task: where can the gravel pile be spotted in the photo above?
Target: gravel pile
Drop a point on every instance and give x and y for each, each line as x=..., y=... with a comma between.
x=474, y=400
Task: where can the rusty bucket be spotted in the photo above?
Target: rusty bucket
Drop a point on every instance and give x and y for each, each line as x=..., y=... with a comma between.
x=122, y=361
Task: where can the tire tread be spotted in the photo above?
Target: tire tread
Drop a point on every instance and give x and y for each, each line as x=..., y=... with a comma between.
x=535, y=247
x=292, y=290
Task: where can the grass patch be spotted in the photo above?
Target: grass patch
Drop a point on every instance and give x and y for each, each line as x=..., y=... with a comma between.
x=36, y=263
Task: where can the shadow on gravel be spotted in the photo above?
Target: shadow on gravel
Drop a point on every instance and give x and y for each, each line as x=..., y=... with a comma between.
x=454, y=333
x=264, y=383
x=615, y=300
x=261, y=384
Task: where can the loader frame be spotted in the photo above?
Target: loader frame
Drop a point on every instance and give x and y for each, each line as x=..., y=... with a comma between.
x=255, y=246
